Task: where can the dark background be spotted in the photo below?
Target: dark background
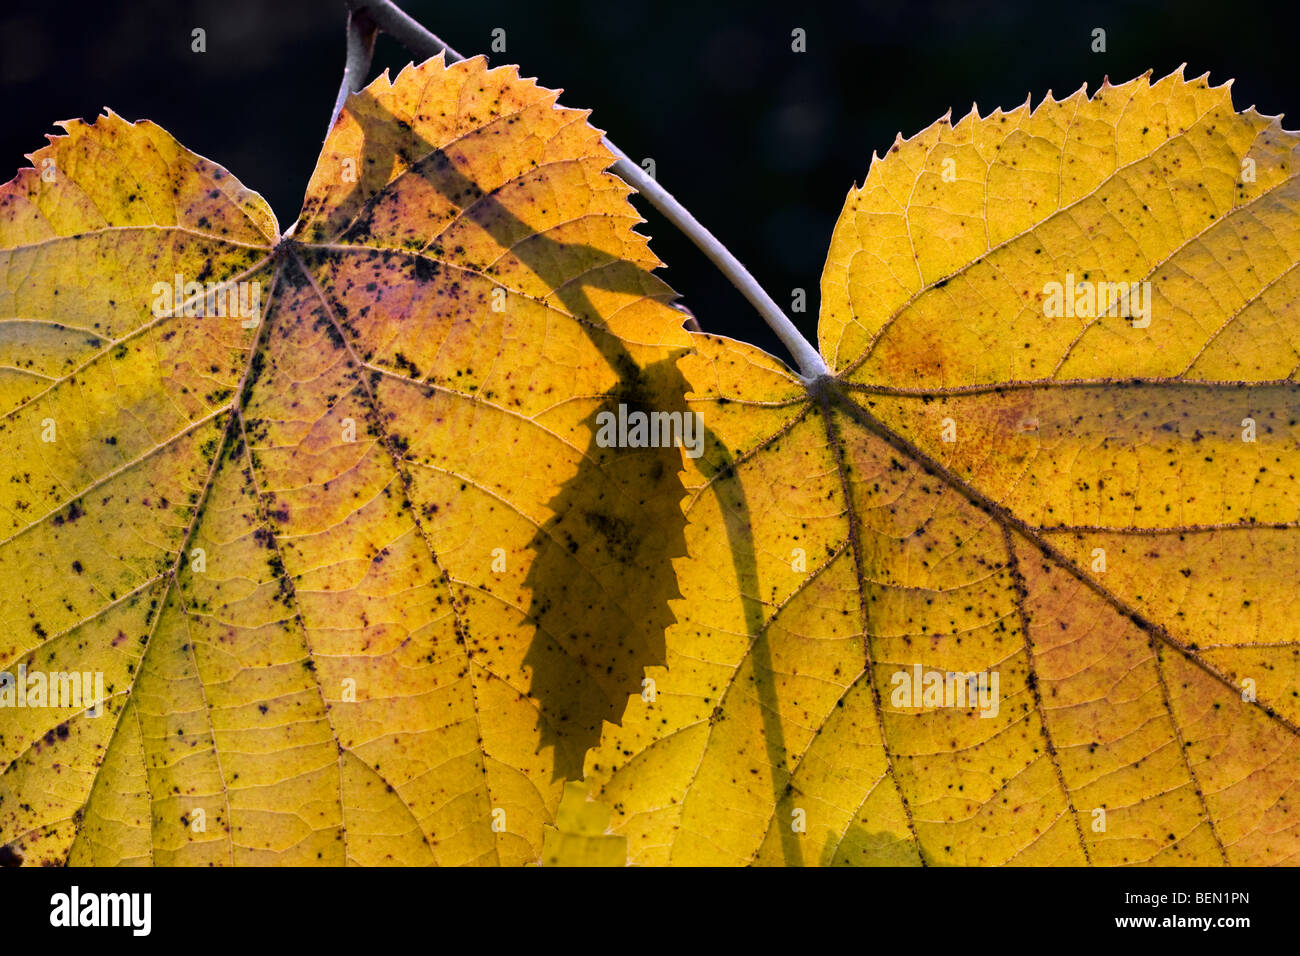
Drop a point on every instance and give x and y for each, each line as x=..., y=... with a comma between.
x=759, y=142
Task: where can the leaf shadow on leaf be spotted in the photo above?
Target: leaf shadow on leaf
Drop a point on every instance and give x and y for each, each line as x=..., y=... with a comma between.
x=734, y=505
x=602, y=576
x=619, y=520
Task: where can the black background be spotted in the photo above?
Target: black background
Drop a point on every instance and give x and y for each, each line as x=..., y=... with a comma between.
x=761, y=143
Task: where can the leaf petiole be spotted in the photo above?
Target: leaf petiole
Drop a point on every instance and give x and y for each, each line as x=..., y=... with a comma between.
x=361, y=32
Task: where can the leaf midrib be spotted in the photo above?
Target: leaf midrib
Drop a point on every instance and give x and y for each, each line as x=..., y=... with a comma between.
x=828, y=392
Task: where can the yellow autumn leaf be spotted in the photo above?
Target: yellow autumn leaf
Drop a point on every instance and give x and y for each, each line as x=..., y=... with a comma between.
x=1012, y=584
x=325, y=511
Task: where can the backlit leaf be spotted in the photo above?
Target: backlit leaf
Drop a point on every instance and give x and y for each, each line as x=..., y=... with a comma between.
x=361, y=583
x=1099, y=510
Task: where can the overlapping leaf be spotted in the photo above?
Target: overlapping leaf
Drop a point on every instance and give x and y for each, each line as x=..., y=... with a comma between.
x=580, y=836
x=1099, y=509
x=361, y=583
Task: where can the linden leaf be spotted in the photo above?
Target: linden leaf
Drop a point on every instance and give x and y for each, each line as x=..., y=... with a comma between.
x=325, y=510
x=1074, y=499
